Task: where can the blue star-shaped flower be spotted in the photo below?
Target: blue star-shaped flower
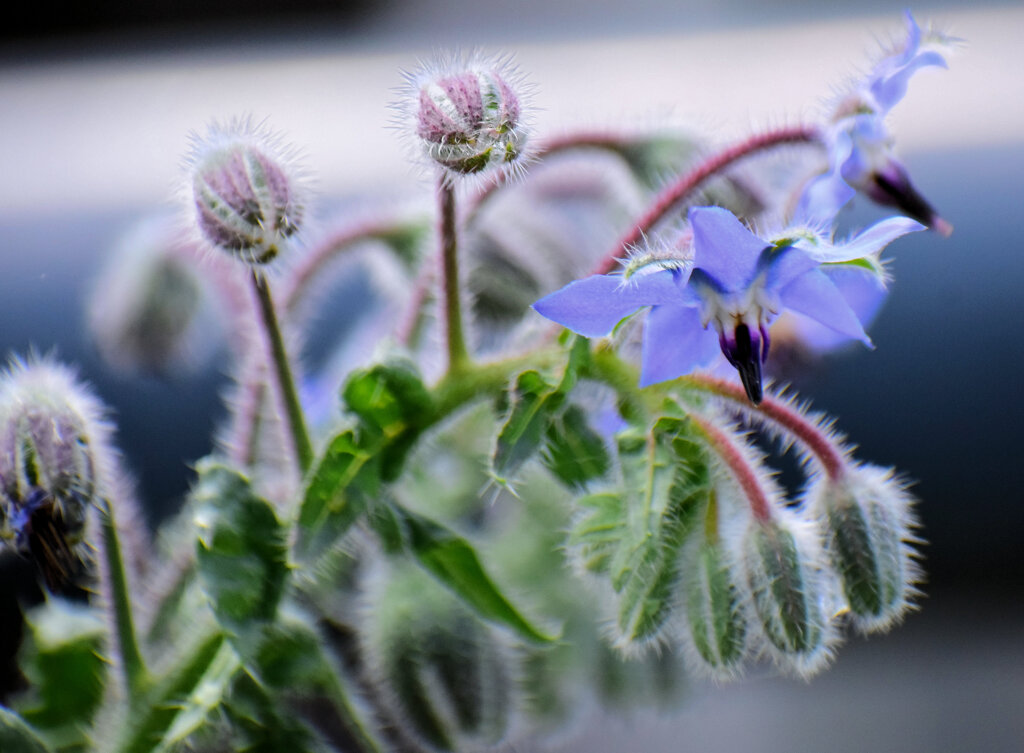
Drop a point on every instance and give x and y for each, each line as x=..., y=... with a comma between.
x=738, y=283
x=861, y=156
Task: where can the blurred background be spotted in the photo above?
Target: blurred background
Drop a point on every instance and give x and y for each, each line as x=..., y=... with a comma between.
x=97, y=100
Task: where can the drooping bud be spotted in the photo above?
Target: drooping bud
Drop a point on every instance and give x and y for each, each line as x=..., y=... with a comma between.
x=789, y=595
x=247, y=197
x=145, y=307
x=466, y=114
x=869, y=521
x=446, y=674
x=717, y=626
x=52, y=440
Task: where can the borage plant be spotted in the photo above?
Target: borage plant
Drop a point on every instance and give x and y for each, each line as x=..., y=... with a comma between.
x=490, y=524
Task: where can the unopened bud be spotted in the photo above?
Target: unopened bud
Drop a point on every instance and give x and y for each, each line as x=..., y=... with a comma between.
x=715, y=616
x=788, y=593
x=466, y=114
x=246, y=195
x=869, y=523
x=145, y=307
x=446, y=673
x=51, y=433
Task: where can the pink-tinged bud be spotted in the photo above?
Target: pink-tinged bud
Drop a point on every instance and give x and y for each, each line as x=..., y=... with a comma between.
x=466, y=114
x=247, y=198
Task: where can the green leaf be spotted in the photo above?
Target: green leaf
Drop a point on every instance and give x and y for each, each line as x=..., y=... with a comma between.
x=242, y=548
x=65, y=667
x=209, y=693
x=575, y=453
x=454, y=562
x=337, y=490
x=391, y=401
x=154, y=713
x=532, y=400
x=16, y=736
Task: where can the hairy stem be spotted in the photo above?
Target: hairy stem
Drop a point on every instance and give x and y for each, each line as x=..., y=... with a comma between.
x=458, y=355
x=731, y=455
x=685, y=186
x=132, y=664
x=780, y=414
x=301, y=443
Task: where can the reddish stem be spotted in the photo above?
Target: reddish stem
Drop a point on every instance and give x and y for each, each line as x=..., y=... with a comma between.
x=688, y=183
x=781, y=414
x=745, y=476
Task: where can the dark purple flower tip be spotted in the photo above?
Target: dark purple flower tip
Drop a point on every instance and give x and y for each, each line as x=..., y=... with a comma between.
x=892, y=187
x=746, y=351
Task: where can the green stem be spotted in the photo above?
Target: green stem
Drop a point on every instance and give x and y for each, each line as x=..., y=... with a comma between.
x=296, y=421
x=132, y=664
x=458, y=355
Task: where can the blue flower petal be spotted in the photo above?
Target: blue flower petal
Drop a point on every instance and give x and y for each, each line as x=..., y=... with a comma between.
x=593, y=306
x=723, y=247
x=890, y=90
x=814, y=295
x=870, y=241
x=675, y=343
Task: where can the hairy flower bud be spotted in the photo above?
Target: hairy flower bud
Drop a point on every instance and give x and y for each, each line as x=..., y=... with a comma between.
x=51, y=441
x=714, y=612
x=445, y=672
x=246, y=195
x=869, y=522
x=788, y=592
x=146, y=306
x=466, y=114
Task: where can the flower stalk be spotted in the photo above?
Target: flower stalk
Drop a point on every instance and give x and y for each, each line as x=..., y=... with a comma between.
x=687, y=184
x=301, y=443
x=458, y=354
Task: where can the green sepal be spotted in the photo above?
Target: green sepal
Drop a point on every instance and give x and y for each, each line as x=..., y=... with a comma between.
x=241, y=549
x=634, y=536
x=454, y=562
x=598, y=531
x=16, y=736
x=713, y=609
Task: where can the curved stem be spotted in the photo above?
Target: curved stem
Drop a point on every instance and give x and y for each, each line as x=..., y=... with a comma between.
x=731, y=455
x=781, y=415
x=301, y=443
x=334, y=245
x=608, y=141
x=675, y=193
x=458, y=355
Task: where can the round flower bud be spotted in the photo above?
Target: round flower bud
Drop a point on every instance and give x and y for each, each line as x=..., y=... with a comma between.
x=246, y=195
x=445, y=673
x=466, y=114
x=52, y=440
x=146, y=305
x=869, y=523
